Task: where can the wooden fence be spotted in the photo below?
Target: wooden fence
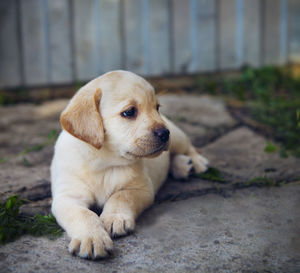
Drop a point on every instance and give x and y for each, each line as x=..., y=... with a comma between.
x=46, y=42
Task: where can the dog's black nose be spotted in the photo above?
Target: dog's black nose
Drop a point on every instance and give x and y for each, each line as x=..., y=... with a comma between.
x=163, y=134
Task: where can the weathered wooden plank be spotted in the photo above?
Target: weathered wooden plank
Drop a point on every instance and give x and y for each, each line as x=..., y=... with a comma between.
x=108, y=35
x=239, y=30
x=227, y=28
x=133, y=14
x=86, y=55
x=10, y=72
x=283, y=31
x=34, y=42
x=271, y=43
x=202, y=35
x=252, y=33
x=97, y=37
x=206, y=35
x=294, y=31
x=181, y=35
x=60, y=42
x=159, y=61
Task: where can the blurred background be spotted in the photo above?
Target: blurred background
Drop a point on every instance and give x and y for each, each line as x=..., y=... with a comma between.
x=55, y=42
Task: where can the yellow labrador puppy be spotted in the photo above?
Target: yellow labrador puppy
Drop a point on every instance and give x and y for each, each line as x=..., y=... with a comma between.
x=115, y=151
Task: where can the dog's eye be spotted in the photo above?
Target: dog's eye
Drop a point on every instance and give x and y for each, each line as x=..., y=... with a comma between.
x=130, y=113
x=157, y=107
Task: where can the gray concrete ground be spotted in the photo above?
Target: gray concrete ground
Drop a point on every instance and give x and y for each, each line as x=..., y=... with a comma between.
x=254, y=230
x=194, y=226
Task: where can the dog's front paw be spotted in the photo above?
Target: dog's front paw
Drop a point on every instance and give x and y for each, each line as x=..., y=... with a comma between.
x=118, y=224
x=91, y=244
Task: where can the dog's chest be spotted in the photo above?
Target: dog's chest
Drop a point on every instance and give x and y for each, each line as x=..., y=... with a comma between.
x=103, y=183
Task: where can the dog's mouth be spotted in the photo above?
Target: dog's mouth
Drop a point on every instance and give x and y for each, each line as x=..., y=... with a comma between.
x=153, y=153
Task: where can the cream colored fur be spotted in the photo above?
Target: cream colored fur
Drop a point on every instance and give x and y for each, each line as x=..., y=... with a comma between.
x=106, y=159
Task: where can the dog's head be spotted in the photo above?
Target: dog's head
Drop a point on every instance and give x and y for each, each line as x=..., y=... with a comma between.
x=120, y=111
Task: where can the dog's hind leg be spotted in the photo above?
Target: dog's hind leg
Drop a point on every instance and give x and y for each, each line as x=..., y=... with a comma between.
x=181, y=166
x=180, y=144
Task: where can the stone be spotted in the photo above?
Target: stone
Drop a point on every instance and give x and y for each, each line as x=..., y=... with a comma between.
x=27, y=125
x=203, y=117
x=240, y=156
x=201, y=110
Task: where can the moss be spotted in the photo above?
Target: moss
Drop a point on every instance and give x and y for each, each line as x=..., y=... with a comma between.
x=272, y=97
x=13, y=224
x=212, y=174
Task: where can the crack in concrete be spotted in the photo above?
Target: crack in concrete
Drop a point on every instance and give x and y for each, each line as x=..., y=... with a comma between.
x=223, y=189
x=225, y=192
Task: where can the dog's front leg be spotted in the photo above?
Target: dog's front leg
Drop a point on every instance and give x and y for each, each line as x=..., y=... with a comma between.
x=123, y=207
x=88, y=236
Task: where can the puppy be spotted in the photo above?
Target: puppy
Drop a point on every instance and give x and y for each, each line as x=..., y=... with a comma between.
x=115, y=151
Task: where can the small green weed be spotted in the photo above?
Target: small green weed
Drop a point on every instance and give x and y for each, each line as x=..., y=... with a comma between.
x=3, y=160
x=34, y=148
x=179, y=118
x=4, y=99
x=13, y=224
x=26, y=162
x=270, y=147
x=51, y=138
x=283, y=153
x=212, y=174
x=78, y=85
x=261, y=182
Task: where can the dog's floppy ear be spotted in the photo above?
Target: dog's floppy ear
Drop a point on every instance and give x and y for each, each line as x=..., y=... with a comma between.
x=82, y=119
